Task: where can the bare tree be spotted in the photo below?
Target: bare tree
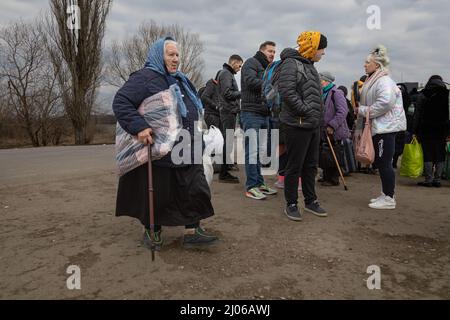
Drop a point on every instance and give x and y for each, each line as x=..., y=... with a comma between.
x=75, y=45
x=5, y=110
x=130, y=54
x=49, y=102
x=30, y=89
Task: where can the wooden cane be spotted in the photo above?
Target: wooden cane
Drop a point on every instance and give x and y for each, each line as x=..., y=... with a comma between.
x=151, y=203
x=337, y=163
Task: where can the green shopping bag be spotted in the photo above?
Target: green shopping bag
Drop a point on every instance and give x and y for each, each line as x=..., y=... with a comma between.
x=412, y=160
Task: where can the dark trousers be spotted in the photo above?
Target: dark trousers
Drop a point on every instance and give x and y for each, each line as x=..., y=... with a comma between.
x=273, y=124
x=433, y=156
x=330, y=170
x=227, y=121
x=433, y=150
x=384, y=145
x=331, y=174
x=283, y=159
x=212, y=119
x=303, y=157
x=399, y=145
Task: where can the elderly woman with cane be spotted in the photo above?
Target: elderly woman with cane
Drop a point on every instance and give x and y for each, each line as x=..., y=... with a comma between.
x=181, y=194
x=334, y=126
x=382, y=100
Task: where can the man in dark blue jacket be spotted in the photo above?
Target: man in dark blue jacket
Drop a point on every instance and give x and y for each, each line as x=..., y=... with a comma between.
x=255, y=116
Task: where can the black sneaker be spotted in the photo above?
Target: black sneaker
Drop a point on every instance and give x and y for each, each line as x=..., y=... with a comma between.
x=233, y=167
x=228, y=178
x=199, y=238
x=316, y=209
x=436, y=184
x=425, y=184
x=158, y=240
x=329, y=184
x=293, y=213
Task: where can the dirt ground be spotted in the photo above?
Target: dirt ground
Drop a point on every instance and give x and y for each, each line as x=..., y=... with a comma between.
x=50, y=224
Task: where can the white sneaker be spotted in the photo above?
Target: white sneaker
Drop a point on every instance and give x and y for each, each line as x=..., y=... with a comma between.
x=381, y=196
x=385, y=203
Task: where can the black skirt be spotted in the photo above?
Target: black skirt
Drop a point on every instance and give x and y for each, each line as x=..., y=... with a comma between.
x=181, y=195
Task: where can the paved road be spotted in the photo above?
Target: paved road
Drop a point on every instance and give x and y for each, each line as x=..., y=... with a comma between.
x=24, y=166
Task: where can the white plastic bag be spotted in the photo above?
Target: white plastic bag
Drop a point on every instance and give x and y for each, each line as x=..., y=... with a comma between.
x=213, y=141
x=208, y=169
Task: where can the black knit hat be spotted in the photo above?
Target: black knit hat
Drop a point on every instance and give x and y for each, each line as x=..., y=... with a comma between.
x=435, y=77
x=323, y=42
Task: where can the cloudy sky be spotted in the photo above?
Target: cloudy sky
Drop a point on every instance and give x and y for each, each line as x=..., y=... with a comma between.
x=416, y=32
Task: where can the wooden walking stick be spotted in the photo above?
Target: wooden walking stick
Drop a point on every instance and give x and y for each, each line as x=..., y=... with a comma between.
x=337, y=162
x=150, y=202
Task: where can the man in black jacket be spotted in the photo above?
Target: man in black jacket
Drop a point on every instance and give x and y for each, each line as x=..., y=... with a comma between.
x=255, y=115
x=228, y=98
x=210, y=100
x=300, y=117
x=430, y=125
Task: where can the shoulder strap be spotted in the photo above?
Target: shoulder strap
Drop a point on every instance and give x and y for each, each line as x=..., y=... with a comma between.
x=300, y=68
x=333, y=100
x=219, y=73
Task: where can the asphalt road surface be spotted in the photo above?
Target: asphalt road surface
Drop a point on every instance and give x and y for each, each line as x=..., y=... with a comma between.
x=23, y=166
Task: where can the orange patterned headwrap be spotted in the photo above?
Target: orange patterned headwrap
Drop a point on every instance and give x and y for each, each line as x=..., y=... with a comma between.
x=308, y=42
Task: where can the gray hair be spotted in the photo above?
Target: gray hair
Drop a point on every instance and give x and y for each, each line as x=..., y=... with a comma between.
x=170, y=42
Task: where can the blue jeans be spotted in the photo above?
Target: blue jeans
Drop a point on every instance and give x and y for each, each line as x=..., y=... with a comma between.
x=251, y=120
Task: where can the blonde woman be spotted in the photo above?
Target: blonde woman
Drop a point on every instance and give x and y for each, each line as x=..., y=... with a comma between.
x=384, y=99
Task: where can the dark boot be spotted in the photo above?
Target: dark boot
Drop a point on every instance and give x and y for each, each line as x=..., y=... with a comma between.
x=329, y=183
x=158, y=240
x=228, y=178
x=199, y=238
x=425, y=184
x=428, y=172
x=438, y=174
